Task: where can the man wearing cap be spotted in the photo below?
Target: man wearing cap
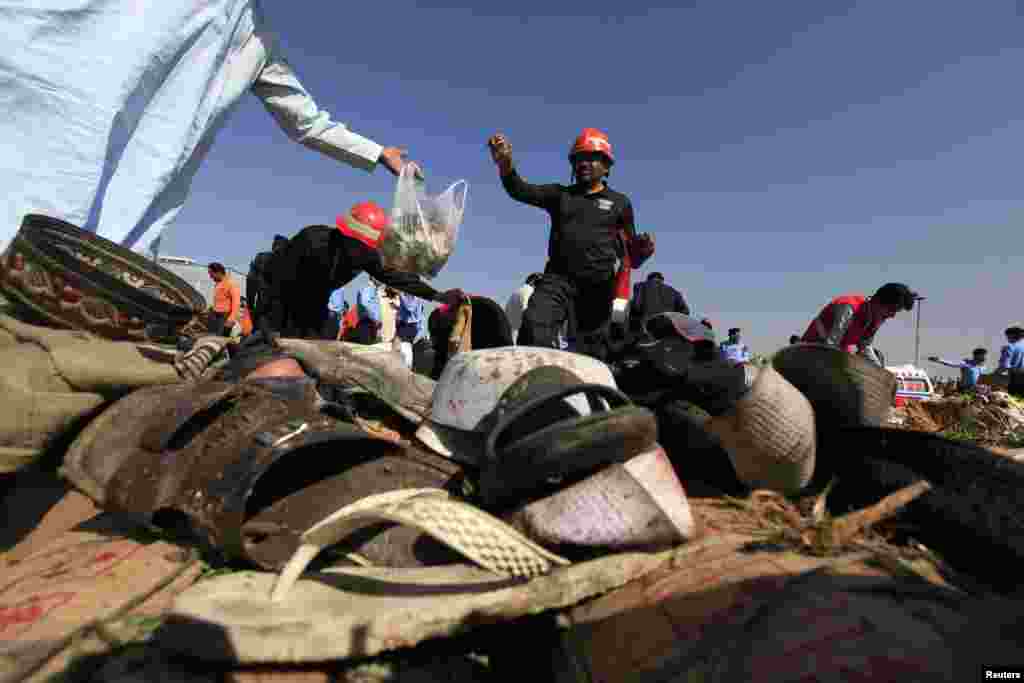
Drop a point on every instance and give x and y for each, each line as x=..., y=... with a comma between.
x=653, y=297
x=850, y=322
x=734, y=350
x=592, y=227
x=319, y=259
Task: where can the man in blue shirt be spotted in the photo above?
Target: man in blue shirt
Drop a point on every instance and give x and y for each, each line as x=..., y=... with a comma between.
x=336, y=307
x=970, y=368
x=368, y=305
x=1012, y=355
x=411, y=329
x=1011, y=359
x=412, y=319
x=734, y=350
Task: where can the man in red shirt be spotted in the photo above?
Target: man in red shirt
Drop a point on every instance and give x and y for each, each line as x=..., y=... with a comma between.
x=849, y=322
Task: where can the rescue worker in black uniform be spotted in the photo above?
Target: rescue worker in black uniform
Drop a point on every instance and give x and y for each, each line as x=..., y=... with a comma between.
x=256, y=281
x=319, y=259
x=591, y=227
x=653, y=297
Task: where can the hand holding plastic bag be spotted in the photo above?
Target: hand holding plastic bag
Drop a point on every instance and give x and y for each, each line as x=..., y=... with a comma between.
x=423, y=226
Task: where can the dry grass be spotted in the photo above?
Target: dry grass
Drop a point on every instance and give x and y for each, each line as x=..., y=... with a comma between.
x=806, y=526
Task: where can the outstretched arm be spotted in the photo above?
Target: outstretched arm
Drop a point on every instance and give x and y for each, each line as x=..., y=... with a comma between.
x=298, y=114
x=541, y=196
x=413, y=284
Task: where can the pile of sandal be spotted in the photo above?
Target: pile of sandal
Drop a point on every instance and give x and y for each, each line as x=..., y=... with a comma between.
x=523, y=484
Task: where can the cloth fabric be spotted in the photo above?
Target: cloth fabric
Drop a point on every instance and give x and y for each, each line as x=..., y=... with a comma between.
x=847, y=323
x=653, y=297
x=405, y=348
x=735, y=353
x=227, y=298
x=583, y=309
x=336, y=302
x=368, y=303
x=108, y=134
x=584, y=243
x=349, y=321
x=1011, y=357
x=970, y=370
x=369, y=313
x=388, y=316
x=515, y=307
x=245, y=325
x=314, y=263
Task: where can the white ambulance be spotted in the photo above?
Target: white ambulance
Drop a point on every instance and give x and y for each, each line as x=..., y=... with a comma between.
x=912, y=383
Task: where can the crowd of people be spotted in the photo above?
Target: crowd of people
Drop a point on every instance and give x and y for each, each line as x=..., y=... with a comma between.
x=593, y=242
x=1008, y=369
x=297, y=288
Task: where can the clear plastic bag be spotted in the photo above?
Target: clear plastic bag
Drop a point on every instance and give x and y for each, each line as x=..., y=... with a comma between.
x=423, y=226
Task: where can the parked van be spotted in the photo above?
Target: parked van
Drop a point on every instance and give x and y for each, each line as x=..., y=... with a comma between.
x=912, y=383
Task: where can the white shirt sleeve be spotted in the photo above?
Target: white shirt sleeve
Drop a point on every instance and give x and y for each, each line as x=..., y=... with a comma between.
x=302, y=120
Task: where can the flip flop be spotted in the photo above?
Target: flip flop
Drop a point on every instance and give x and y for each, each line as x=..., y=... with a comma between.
x=469, y=530
x=338, y=613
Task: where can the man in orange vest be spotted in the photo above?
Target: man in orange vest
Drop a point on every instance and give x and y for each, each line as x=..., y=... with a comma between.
x=226, y=301
x=849, y=322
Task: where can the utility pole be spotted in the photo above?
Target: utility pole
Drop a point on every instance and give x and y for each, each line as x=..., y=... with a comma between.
x=917, y=334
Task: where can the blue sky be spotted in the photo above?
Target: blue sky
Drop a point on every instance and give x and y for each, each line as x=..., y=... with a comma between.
x=781, y=153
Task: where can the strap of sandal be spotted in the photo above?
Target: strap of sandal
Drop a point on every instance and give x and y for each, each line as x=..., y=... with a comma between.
x=482, y=538
x=505, y=420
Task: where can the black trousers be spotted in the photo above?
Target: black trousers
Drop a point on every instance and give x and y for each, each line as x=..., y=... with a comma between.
x=216, y=323
x=332, y=325
x=1016, y=387
x=585, y=306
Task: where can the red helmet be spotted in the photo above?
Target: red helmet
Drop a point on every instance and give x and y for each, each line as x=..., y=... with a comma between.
x=592, y=140
x=366, y=222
